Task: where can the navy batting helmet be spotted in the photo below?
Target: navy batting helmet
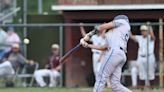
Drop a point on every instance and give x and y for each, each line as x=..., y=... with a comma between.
x=121, y=17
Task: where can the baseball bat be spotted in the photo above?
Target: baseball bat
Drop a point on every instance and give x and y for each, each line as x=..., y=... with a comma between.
x=70, y=52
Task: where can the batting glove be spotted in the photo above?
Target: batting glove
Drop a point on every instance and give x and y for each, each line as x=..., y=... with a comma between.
x=91, y=33
x=83, y=43
x=87, y=37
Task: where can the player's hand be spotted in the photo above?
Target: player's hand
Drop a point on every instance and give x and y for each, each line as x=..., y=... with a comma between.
x=58, y=68
x=148, y=23
x=83, y=43
x=81, y=24
x=87, y=37
x=31, y=62
x=47, y=66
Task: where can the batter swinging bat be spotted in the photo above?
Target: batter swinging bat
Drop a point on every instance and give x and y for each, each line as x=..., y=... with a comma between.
x=62, y=60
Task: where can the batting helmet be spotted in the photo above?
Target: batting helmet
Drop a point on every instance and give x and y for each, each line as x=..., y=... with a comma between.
x=121, y=17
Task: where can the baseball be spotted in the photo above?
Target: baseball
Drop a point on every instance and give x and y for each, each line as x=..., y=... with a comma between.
x=26, y=41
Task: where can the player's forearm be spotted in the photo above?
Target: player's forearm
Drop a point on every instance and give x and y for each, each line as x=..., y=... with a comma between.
x=58, y=68
x=102, y=48
x=82, y=30
x=106, y=26
x=29, y=62
x=101, y=56
x=132, y=36
x=152, y=33
x=103, y=34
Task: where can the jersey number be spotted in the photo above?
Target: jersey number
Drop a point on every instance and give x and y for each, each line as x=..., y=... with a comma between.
x=126, y=37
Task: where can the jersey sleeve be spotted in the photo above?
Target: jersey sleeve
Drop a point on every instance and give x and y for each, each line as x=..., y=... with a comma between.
x=118, y=23
x=137, y=38
x=21, y=59
x=123, y=24
x=92, y=38
x=103, y=41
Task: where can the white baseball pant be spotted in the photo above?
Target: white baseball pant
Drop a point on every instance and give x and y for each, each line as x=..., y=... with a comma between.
x=134, y=73
x=52, y=74
x=96, y=63
x=111, y=69
x=6, y=69
x=142, y=65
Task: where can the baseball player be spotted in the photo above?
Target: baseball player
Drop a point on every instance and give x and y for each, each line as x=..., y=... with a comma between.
x=12, y=60
x=115, y=49
x=51, y=71
x=3, y=36
x=97, y=39
x=142, y=40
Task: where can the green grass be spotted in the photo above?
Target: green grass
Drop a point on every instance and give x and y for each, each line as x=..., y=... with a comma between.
x=43, y=90
x=63, y=90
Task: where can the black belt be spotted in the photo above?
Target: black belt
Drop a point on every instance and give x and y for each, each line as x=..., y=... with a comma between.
x=96, y=52
x=145, y=55
x=121, y=48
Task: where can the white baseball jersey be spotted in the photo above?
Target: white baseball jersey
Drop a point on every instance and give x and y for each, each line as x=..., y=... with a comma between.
x=97, y=40
x=115, y=58
x=142, y=59
x=142, y=42
x=119, y=36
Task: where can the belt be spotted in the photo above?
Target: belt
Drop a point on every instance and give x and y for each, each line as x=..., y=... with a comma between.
x=121, y=48
x=145, y=55
x=96, y=52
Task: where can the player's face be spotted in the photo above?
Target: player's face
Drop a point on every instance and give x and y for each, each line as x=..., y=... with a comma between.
x=144, y=33
x=10, y=33
x=55, y=51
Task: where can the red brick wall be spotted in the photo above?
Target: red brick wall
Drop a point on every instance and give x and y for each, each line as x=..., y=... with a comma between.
x=79, y=65
x=75, y=73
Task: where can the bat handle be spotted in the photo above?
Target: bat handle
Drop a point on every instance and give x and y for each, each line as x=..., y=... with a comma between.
x=69, y=53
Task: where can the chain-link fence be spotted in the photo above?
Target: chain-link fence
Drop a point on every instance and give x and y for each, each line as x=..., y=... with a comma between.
x=6, y=8
x=79, y=65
